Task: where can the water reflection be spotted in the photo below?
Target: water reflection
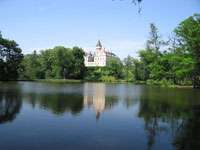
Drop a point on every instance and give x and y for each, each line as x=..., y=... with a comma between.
x=95, y=96
x=188, y=134
x=61, y=98
x=58, y=104
x=10, y=102
x=171, y=112
x=140, y=117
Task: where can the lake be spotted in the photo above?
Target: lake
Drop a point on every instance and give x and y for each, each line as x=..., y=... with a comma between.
x=81, y=116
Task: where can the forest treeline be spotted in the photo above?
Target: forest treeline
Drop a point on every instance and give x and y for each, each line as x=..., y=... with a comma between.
x=172, y=62
x=56, y=63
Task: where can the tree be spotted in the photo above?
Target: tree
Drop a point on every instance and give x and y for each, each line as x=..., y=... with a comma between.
x=159, y=67
x=152, y=55
x=56, y=63
x=140, y=70
x=2, y=69
x=129, y=68
x=150, y=65
x=147, y=56
x=116, y=68
x=78, y=63
x=155, y=41
x=61, y=59
x=188, y=33
x=10, y=59
x=32, y=67
x=46, y=61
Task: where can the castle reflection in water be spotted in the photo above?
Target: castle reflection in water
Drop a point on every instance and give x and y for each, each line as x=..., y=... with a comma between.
x=94, y=96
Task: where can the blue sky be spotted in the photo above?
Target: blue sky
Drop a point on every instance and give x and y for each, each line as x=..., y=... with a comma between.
x=42, y=24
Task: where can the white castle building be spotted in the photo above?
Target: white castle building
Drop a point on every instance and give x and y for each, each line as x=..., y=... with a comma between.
x=100, y=58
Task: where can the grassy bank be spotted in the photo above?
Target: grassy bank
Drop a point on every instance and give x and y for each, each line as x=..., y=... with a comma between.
x=155, y=83
x=150, y=83
x=79, y=81
x=168, y=83
x=58, y=80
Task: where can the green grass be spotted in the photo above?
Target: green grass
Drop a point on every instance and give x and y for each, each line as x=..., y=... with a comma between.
x=166, y=83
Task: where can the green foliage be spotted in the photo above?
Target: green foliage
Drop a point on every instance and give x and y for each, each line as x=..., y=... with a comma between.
x=78, y=63
x=99, y=74
x=56, y=63
x=188, y=33
x=116, y=68
x=140, y=70
x=180, y=64
x=155, y=40
x=129, y=68
x=92, y=74
x=10, y=59
x=32, y=67
x=112, y=73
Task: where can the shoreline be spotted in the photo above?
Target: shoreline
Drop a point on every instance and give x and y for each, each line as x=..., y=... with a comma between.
x=114, y=82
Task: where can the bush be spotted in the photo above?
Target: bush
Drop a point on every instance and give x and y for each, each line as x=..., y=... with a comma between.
x=153, y=82
x=150, y=82
x=164, y=82
x=108, y=79
x=167, y=83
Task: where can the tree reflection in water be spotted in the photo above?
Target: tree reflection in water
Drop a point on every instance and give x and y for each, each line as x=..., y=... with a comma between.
x=94, y=95
x=10, y=103
x=171, y=112
x=188, y=134
x=57, y=103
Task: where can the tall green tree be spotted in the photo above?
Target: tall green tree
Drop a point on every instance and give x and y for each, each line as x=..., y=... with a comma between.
x=153, y=53
x=129, y=67
x=78, y=63
x=188, y=33
x=10, y=59
x=61, y=59
x=140, y=70
x=32, y=67
x=150, y=65
x=116, y=68
x=155, y=41
x=147, y=56
x=46, y=61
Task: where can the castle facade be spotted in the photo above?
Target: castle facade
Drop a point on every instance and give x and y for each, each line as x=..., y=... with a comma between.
x=100, y=58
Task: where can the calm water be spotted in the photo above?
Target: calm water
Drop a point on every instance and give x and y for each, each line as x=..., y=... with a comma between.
x=75, y=116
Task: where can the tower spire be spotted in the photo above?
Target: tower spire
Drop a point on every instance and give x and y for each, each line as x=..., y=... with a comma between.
x=99, y=44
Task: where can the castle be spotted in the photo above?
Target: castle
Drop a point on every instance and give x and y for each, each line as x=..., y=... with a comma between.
x=100, y=58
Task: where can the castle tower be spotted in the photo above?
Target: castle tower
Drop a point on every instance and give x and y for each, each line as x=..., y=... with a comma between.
x=98, y=46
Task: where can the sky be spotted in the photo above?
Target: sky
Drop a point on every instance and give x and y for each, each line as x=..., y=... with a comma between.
x=44, y=24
